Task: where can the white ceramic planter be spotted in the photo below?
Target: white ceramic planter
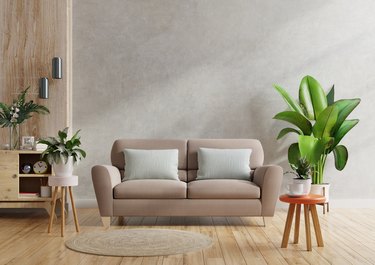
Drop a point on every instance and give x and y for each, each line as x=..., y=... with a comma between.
x=321, y=189
x=63, y=170
x=306, y=184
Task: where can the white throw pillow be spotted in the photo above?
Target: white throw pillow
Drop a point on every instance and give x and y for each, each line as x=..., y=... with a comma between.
x=151, y=164
x=223, y=163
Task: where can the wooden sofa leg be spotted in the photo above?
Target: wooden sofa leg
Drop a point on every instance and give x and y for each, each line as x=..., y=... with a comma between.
x=267, y=221
x=106, y=220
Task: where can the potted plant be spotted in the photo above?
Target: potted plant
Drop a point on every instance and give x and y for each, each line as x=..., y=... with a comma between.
x=63, y=153
x=13, y=115
x=302, y=171
x=320, y=123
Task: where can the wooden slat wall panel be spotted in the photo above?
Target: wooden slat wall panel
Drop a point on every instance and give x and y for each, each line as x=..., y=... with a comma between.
x=32, y=33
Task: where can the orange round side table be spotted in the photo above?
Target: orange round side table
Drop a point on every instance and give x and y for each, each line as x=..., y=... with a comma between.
x=309, y=205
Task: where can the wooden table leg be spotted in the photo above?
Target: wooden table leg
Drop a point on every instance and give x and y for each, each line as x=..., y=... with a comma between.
x=288, y=225
x=296, y=223
x=62, y=210
x=52, y=214
x=307, y=226
x=318, y=232
x=74, y=209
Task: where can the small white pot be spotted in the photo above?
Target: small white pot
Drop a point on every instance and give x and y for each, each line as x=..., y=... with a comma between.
x=321, y=189
x=63, y=170
x=306, y=184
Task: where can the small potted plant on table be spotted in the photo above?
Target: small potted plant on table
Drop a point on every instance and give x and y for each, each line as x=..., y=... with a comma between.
x=63, y=153
x=302, y=171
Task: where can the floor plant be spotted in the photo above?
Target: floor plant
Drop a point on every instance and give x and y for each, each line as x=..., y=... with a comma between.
x=320, y=123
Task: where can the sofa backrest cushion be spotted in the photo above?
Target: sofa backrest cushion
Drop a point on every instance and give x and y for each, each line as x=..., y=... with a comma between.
x=151, y=164
x=256, y=158
x=118, y=159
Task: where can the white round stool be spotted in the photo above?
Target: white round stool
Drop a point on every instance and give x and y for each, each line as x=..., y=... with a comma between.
x=62, y=183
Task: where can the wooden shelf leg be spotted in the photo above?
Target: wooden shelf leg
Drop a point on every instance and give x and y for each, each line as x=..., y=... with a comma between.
x=62, y=210
x=74, y=209
x=318, y=232
x=288, y=225
x=296, y=223
x=52, y=214
x=307, y=226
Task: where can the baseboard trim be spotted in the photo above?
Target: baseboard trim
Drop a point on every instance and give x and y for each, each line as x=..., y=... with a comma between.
x=334, y=203
x=86, y=203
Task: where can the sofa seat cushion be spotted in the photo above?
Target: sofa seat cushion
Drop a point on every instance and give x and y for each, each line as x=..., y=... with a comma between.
x=150, y=189
x=223, y=189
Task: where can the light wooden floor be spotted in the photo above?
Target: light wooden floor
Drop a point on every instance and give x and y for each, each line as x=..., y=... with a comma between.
x=349, y=237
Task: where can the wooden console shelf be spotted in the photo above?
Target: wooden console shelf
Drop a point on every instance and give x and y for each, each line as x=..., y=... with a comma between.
x=14, y=184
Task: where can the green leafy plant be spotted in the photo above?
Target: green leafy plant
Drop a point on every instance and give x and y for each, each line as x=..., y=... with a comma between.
x=320, y=123
x=60, y=148
x=301, y=167
x=19, y=110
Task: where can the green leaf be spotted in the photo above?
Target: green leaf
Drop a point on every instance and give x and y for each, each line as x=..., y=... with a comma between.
x=326, y=122
x=345, y=107
x=341, y=157
x=76, y=136
x=83, y=153
x=312, y=97
x=311, y=148
x=345, y=127
x=292, y=103
x=296, y=119
x=331, y=96
x=293, y=154
x=285, y=131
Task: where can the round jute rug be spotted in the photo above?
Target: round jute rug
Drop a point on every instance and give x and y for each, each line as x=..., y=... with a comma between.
x=139, y=242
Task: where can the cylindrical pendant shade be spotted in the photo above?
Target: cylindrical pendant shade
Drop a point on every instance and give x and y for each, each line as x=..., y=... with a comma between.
x=56, y=68
x=43, y=88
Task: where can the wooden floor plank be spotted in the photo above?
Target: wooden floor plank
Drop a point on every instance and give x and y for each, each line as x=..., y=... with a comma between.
x=348, y=234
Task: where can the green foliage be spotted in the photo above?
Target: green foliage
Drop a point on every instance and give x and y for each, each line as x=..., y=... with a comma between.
x=19, y=111
x=60, y=148
x=320, y=127
x=302, y=168
x=312, y=97
x=296, y=119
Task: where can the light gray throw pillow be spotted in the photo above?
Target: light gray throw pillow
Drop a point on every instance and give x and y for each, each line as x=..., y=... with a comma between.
x=151, y=164
x=223, y=163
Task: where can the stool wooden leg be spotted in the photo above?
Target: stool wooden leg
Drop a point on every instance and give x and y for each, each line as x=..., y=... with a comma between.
x=52, y=214
x=318, y=232
x=288, y=225
x=307, y=226
x=62, y=210
x=296, y=223
x=74, y=209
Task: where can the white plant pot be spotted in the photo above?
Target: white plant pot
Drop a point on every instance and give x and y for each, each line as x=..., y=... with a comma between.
x=63, y=170
x=306, y=184
x=321, y=189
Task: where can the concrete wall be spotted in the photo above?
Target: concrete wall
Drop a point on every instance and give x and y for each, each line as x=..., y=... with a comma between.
x=187, y=69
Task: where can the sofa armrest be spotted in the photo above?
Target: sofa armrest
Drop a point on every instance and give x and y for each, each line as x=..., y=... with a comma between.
x=105, y=178
x=269, y=179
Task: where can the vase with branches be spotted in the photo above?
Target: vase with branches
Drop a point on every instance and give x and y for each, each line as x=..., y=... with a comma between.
x=16, y=113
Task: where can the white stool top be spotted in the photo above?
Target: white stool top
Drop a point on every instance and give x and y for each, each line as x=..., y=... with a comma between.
x=63, y=181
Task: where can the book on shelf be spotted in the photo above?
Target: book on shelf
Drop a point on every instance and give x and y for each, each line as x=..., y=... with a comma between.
x=29, y=194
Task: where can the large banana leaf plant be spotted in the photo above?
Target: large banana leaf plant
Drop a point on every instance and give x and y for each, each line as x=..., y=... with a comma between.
x=320, y=123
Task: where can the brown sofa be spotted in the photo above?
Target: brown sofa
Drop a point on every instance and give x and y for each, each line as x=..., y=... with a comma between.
x=187, y=197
